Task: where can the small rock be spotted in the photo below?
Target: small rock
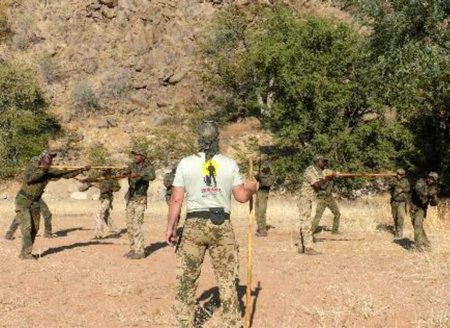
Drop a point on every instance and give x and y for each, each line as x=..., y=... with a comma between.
x=128, y=129
x=176, y=78
x=112, y=122
x=91, y=65
x=97, y=15
x=79, y=195
x=103, y=124
x=4, y=196
x=127, y=5
x=110, y=3
x=66, y=118
x=108, y=12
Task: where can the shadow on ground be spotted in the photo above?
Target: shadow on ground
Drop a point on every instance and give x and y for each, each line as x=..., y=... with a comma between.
x=211, y=304
x=386, y=227
x=154, y=247
x=406, y=243
x=59, y=249
x=65, y=232
x=116, y=235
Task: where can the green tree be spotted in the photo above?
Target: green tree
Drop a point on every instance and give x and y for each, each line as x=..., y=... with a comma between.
x=25, y=125
x=312, y=82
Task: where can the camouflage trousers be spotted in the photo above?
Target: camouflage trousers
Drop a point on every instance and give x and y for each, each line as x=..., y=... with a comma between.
x=103, y=219
x=135, y=219
x=398, y=214
x=262, y=198
x=44, y=212
x=421, y=241
x=321, y=205
x=199, y=235
x=28, y=213
x=306, y=236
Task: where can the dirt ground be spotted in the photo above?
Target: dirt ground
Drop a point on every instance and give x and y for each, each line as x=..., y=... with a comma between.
x=361, y=279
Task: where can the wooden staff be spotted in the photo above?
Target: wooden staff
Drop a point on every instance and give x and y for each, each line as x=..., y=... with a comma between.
x=363, y=175
x=248, y=307
x=65, y=167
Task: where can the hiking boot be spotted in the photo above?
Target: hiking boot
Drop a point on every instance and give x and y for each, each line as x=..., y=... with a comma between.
x=129, y=254
x=27, y=257
x=50, y=235
x=261, y=234
x=98, y=237
x=9, y=236
x=311, y=251
x=136, y=256
x=336, y=232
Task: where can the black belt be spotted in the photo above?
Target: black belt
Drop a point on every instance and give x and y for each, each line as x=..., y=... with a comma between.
x=203, y=214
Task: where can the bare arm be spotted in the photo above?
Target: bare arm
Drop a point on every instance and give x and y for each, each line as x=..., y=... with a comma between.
x=243, y=192
x=176, y=201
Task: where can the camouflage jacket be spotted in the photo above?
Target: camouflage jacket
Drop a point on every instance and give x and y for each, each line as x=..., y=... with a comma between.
x=325, y=190
x=108, y=188
x=138, y=186
x=36, y=179
x=265, y=176
x=400, y=190
x=423, y=194
x=168, y=183
x=310, y=177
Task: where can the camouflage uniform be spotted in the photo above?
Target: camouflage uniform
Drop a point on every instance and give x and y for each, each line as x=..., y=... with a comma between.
x=103, y=218
x=304, y=202
x=199, y=235
x=207, y=191
x=265, y=179
x=400, y=190
x=422, y=196
x=137, y=204
x=324, y=199
x=28, y=200
x=44, y=212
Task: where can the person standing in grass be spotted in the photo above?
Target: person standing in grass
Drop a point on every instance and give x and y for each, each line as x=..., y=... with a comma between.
x=400, y=195
x=425, y=193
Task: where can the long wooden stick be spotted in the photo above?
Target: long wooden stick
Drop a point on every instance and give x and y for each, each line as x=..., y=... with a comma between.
x=363, y=175
x=248, y=307
x=65, y=167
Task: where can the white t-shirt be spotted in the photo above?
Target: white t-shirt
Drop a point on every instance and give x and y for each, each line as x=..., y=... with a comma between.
x=207, y=184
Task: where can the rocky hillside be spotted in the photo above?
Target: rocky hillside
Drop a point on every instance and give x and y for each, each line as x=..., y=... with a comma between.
x=113, y=69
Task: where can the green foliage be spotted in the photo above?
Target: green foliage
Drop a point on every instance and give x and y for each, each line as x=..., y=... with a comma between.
x=25, y=125
x=164, y=147
x=83, y=97
x=98, y=155
x=411, y=46
x=50, y=69
x=23, y=32
x=312, y=82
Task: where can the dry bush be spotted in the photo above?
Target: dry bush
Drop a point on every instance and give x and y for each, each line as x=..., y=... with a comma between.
x=84, y=97
x=50, y=68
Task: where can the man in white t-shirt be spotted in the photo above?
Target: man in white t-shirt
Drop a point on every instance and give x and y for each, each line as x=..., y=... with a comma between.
x=207, y=180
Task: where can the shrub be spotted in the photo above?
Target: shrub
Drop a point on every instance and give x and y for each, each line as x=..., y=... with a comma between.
x=98, y=155
x=23, y=30
x=118, y=85
x=50, y=69
x=5, y=28
x=83, y=97
x=25, y=124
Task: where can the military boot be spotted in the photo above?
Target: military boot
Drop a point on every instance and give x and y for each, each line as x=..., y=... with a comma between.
x=9, y=235
x=136, y=256
x=27, y=257
x=50, y=235
x=129, y=254
x=311, y=251
x=261, y=233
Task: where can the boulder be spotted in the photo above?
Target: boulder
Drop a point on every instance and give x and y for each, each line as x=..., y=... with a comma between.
x=79, y=195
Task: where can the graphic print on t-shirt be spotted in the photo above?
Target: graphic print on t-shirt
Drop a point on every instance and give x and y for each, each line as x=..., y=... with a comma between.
x=210, y=171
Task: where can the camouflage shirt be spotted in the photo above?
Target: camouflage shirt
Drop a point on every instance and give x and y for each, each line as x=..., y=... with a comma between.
x=265, y=176
x=168, y=183
x=108, y=188
x=399, y=190
x=310, y=177
x=423, y=194
x=138, y=186
x=36, y=179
